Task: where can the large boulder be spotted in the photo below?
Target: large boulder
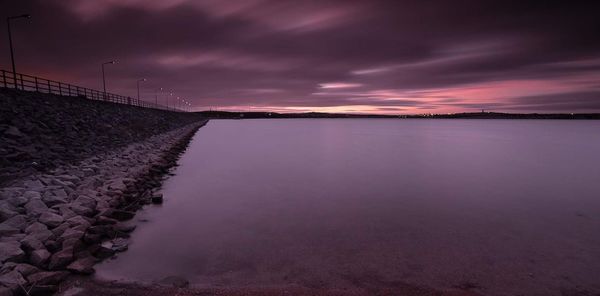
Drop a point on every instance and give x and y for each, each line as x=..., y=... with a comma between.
x=71, y=233
x=34, y=185
x=30, y=243
x=29, y=195
x=82, y=210
x=79, y=221
x=50, y=219
x=7, y=211
x=122, y=215
x=47, y=277
x=18, y=221
x=25, y=269
x=7, y=230
x=157, y=198
x=36, y=207
x=35, y=227
x=57, y=197
x=39, y=257
x=41, y=234
x=83, y=265
x=61, y=259
x=17, y=200
x=12, y=280
x=11, y=252
x=85, y=201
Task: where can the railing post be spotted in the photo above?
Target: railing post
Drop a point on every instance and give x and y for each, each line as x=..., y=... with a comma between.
x=60, y=89
x=22, y=85
x=69, y=88
x=4, y=77
x=36, y=85
x=49, y=87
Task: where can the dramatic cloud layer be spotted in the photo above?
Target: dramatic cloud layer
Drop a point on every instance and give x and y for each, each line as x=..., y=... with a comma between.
x=400, y=56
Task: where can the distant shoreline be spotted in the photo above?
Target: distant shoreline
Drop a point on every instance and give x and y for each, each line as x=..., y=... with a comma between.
x=474, y=115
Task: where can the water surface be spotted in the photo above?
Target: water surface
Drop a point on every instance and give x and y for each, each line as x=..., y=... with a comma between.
x=511, y=207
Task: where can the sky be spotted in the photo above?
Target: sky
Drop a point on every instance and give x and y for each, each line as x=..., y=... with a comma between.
x=387, y=57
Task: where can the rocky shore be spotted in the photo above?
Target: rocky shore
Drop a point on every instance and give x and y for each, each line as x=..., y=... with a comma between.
x=70, y=183
x=39, y=132
x=66, y=220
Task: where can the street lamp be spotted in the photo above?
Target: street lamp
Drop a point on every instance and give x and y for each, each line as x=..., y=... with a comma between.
x=156, y=95
x=138, y=87
x=167, y=98
x=12, y=54
x=104, y=77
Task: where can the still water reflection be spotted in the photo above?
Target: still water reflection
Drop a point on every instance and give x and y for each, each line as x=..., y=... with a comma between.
x=512, y=207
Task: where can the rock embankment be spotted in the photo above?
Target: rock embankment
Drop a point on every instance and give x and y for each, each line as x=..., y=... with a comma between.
x=72, y=173
x=65, y=220
x=39, y=132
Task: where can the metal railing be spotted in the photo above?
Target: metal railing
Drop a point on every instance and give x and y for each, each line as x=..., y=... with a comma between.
x=42, y=85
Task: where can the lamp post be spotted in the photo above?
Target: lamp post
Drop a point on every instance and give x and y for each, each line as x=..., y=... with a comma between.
x=138, y=87
x=156, y=95
x=104, y=77
x=167, y=98
x=12, y=53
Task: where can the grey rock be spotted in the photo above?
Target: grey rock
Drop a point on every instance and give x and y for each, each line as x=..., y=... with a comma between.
x=79, y=221
x=104, y=250
x=71, y=233
x=101, y=220
x=83, y=266
x=12, y=280
x=7, y=230
x=61, y=193
x=50, y=219
x=36, y=207
x=90, y=238
x=7, y=211
x=35, y=227
x=65, y=211
x=124, y=227
x=73, y=243
x=52, y=246
x=30, y=243
x=57, y=197
x=41, y=234
x=39, y=257
x=31, y=195
x=122, y=215
x=26, y=269
x=58, y=231
x=117, y=245
x=11, y=252
x=61, y=259
x=47, y=277
x=34, y=185
x=17, y=221
x=17, y=201
x=86, y=201
x=82, y=210
x=12, y=238
x=157, y=198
